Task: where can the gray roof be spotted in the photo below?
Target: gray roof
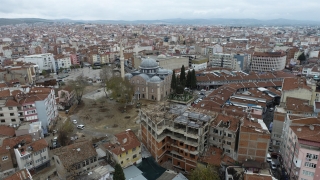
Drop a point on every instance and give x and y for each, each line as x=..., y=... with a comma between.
x=149, y=63
x=155, y=79
x=128, y=75
x=144, y=76
x=133, y=173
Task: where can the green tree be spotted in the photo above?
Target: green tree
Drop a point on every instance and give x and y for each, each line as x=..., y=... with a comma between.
x=188, y=80
x=204, y=173
x=183, y=76
x=118, y=173
x=193, y=83
x=302, y=57
x=44, y=73
x=78, y=85
x=121, y=89
x=173, y=81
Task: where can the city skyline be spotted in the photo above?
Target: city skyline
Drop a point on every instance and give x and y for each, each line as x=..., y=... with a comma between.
x=146, y=10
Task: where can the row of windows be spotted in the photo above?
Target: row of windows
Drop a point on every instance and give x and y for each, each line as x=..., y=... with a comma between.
x=12, y=120
x=11, y=114
x=311, y=156
x=39, y=160
x=10, y=108
x=39, y=152
x=308, y=173
x=134, y=156
x=311, y=165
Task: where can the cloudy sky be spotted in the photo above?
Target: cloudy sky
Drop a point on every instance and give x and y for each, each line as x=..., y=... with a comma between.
x=161, y=9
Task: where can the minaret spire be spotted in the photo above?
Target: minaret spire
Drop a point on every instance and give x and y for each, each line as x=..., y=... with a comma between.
x=121, y=60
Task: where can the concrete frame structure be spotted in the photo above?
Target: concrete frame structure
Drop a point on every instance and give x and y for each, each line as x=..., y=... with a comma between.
x=174, y=134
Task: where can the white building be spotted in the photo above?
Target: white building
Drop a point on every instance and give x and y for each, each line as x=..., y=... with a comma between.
x=33, y=155
x=268, y=61
x=44, y=61
x=64, y=62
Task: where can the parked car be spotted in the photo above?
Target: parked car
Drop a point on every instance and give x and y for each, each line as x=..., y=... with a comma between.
x=80, y=126
x=74, y=121
x=273, y=165
x=203, y=90
x=270, y=149
x=269, y=159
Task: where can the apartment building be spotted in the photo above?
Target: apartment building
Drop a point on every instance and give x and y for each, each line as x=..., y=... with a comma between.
x=33, y=156
x=254, y=140
x=224, y=60
x=224, y=134
x=175, y=135
x=75, y=159
x=43, y=61
x=300, y=148
x=63, y=62
x=268, y=61
x=74, y=59
x=125, y=149
x=6, y=161
x=39, y=104
x=11, y=113
x=297, y=88
x=199, y=64
x=277, y=127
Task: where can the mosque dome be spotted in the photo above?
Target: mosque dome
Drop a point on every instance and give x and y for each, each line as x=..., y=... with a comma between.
x=155, y=79
x=149, y=63
x=128, y=76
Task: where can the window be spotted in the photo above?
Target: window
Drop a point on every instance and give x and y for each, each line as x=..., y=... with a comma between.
x=127, y=152
x=312, y=156
x=134, y=156
x=10, y=108
x=133, y=149
x=4, y=158
x=311, y=165
x=229, y=143
x=13, y=120
x=308, y=173
x=229, y=135
x=0, y=108
x=121, y=162
x=11, y=114
x=1, y=114
x=58, y=161
x=3, y=121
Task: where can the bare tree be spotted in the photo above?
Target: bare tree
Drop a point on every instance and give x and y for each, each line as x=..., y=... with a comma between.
x=106, y=73
x=121, y=89
x=78, y=85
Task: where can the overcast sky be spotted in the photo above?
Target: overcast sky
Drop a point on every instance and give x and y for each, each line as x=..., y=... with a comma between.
x=160, y=9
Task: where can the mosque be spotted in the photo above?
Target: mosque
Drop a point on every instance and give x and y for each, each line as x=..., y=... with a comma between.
x=150, y=81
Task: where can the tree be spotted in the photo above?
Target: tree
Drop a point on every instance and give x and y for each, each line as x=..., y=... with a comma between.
x=302, y=57
x=183, y=76
x=118, y=173
x=193, y=83
x=45, y=73
x=78, y=85
x=188, y=81
x=63, y=133
x=105, y=75
x=173, y=81
x=204, y=173
x=121, y=89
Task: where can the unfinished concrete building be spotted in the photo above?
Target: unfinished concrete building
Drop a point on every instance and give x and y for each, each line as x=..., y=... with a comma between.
x=175, y=136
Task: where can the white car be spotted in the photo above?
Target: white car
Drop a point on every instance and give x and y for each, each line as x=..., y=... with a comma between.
x=74, y=121
x=80, y=126
x=269, y=159
x=203, y=90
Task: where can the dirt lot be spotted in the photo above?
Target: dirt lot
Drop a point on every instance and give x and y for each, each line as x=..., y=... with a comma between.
x=108, y=116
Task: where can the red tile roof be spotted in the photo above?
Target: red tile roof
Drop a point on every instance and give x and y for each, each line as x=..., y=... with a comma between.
x=7, y=131
x=127, y=140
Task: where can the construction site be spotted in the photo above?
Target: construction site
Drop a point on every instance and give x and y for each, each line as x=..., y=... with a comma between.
x=176, y=135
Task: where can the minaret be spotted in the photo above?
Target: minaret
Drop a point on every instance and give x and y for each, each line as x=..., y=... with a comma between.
x=121, y=61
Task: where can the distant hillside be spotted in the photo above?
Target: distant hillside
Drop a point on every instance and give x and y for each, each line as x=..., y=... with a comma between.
x=213, y=21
